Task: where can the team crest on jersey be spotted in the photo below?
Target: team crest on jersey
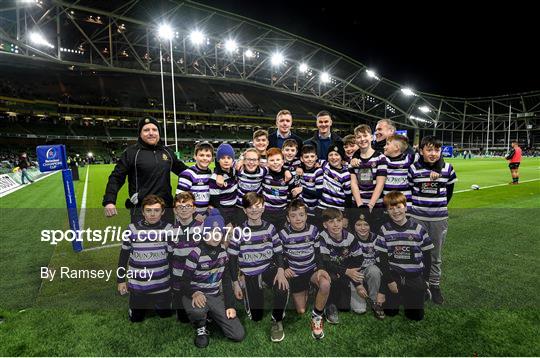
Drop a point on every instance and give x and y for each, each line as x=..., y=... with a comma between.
x=200, y=182
x=374, y=165
x=164, y=156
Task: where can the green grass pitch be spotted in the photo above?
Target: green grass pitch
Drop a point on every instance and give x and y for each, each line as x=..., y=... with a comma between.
x=490, y=281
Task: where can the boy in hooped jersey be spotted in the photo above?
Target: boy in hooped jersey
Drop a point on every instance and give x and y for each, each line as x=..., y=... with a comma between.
x=196, y=178
x=260, y=142
x=311, y=180
x=399, y=159
x=290, y=155
x=143, y=257
x=336, y=191
x=403, y=248
x=350, y=147
x=258, y=254
x=223, y=197
x=430, y=199
x=276, y=188
x=250, y=175
x=368, y=175
x=300, y=246
x=372, y=274
x=187, y=233
x=341, y=257
x=208, y=287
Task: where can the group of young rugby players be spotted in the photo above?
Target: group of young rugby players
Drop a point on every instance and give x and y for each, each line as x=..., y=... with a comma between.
x=356, y=229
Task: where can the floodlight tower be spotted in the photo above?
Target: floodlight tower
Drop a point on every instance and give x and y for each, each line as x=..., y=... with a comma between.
x=165, y=32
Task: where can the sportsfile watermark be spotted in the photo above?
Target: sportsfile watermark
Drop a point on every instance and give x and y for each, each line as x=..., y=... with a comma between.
x=117, y=234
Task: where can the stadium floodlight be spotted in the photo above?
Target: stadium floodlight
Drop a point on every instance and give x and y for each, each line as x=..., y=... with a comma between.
x=277, y=59
x=325, y=77
x=165, y=32
x=196, y=37
x=424, y=109
x=407, y=91
x=372, y=74
x=249, y=53
x=90, y=154
x=231, y=45
x=38, y=39
x=303, y=67
x=423, y=120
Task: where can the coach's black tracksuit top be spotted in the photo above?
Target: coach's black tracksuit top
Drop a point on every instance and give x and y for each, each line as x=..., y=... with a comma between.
x=148, y=169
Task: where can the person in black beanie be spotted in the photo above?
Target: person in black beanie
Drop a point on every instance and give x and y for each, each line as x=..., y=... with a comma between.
x=147, y=164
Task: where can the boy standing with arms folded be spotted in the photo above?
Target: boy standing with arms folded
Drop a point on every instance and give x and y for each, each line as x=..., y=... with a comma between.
x=430, y=200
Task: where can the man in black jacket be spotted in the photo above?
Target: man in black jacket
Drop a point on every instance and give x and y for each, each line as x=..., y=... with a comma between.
x=283, y=132
x=323, y=138
x=148, y=165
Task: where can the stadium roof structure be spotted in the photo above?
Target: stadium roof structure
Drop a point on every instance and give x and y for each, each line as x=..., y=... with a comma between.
x=123, y=36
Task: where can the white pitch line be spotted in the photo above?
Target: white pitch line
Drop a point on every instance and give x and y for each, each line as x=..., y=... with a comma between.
x=102, y=247
x=493, y=186
x=25, y=186
x=82, y=213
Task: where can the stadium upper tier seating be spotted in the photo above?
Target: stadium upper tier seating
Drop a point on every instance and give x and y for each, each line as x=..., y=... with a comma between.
x=36, y=80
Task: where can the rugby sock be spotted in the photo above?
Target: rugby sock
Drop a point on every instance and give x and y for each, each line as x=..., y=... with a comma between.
x=316, y=312
x=515, y=180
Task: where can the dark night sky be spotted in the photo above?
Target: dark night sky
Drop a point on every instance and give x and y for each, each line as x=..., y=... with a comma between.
x=456, y=50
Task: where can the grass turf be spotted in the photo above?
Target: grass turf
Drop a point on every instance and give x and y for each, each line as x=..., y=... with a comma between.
x=490, y=276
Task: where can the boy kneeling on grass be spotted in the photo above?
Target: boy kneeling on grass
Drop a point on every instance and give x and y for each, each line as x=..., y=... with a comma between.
x=258, y=254
x=144, y=253
x=300, y=244
x=180, y=246
x=372, y=273
x=403, y=248
x=208, y=287
x=341, y=257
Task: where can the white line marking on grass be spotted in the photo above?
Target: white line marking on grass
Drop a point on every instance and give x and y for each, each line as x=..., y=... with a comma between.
x=82, y=213
x=102, y=247
x=493, y=186
x=26, y=185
